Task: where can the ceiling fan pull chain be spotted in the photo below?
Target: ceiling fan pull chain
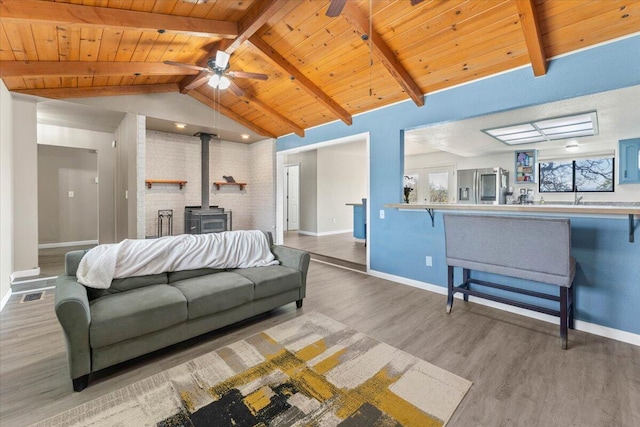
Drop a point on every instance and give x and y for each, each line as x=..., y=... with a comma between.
x=370, y=53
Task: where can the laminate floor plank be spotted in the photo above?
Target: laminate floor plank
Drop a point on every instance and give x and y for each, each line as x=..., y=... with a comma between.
x=520, y=375
x=342, y=246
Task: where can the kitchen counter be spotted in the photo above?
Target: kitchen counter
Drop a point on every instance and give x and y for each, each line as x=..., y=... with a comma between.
x=590, y=210
x=535, y=208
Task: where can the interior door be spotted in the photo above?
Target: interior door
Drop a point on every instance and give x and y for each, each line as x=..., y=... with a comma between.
x=293, y=197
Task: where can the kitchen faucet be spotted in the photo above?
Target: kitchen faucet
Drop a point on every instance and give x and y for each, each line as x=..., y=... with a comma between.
x=576, y=200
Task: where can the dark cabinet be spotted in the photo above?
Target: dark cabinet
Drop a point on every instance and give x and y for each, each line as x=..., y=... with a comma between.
x=629, y=154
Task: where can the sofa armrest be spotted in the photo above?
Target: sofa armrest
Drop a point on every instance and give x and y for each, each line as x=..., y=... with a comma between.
x=294, y=258
x=74, y=314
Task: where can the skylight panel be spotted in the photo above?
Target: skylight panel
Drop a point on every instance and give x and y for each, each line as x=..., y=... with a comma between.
x=582, y=124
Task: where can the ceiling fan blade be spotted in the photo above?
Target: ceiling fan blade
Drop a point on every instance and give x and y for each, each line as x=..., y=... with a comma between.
x=222, y=59
x=247, y=75
x=415, y=2
x=199, y=80
x=335, y=8
x=180, y=64
x=237, y=90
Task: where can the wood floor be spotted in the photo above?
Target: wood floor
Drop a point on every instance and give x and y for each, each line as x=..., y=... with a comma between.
x=520, y=375
x=340, y=249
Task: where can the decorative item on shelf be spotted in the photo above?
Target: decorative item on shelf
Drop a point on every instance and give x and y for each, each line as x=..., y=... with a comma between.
x=407, y=192
x=228, y=178
x=410, y=185
x=219, y=184
x=526, y=166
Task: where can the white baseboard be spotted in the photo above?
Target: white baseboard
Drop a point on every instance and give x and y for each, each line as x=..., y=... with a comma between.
x=324, y=233
x=24, y=273
x=30, y=291
x=66, y=244
x=5, y=298
x=580, y=325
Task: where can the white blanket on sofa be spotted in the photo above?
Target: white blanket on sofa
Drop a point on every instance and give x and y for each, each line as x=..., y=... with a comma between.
x=129, y=258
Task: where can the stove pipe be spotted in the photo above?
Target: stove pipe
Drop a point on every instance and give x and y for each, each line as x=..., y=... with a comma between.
x=204, y=138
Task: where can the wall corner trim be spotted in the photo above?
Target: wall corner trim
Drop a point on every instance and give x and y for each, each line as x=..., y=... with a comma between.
x=5, y=299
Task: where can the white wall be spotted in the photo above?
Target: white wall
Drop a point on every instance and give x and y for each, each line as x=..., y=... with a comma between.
x=342, y=179
x=129, y=170
x=62, y=218
x=263, y=189
x=137, y=167
x=6, y=192
x=101, y=142
x=25, y=186
x=231, y=158
x=177, y=157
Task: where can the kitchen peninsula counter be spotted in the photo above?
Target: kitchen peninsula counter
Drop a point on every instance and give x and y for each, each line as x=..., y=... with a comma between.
x=630, y=210
x=584, y=209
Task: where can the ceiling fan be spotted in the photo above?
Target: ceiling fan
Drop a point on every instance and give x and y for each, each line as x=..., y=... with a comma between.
x=217, y=68
x=336, y=6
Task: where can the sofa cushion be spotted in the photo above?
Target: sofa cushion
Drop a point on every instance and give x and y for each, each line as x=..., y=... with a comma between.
x=127, y=284
x=125, y=315
x=215, y=292
x=272, y=279
x=176, y=276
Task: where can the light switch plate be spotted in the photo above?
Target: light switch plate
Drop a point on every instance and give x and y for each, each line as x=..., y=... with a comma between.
x=381, y=213
x=71, y=194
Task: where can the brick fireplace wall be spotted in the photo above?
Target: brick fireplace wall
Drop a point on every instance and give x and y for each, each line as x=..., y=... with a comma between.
x=173, y=156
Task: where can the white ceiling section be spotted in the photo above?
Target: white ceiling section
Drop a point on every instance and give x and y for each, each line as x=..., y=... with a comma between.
x=162, y=110
x=617, y=112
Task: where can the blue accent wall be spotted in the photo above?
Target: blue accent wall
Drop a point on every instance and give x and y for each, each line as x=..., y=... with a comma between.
x=608, y=279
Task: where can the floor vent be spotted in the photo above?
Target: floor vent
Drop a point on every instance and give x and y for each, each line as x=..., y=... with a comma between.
x=35, y=296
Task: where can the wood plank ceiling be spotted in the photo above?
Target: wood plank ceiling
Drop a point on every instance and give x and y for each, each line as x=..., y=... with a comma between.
x=320, y=68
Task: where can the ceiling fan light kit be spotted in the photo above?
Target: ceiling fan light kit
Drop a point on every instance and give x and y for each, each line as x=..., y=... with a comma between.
x=219, y=82
x=218, y=67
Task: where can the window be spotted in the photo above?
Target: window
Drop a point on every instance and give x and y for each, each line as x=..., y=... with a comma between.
x=438, y=187
x=429, y=185
x=594, y=175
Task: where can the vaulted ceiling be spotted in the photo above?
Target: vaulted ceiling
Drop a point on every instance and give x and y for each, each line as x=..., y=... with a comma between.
x=319, y=68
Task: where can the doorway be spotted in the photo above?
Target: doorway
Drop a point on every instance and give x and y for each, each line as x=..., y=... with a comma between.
x=67, y=204
x=330, y=178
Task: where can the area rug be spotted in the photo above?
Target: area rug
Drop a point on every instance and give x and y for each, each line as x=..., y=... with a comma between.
x=309, y=371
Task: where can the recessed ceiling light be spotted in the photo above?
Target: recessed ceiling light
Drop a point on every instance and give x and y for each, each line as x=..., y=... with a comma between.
x=572, y=146
x=244, y=135
x=181, y=125
x=583, y=124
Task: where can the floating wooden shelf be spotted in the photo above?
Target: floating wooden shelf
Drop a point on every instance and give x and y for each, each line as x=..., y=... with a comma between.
x=219, y=184
x=150, y=182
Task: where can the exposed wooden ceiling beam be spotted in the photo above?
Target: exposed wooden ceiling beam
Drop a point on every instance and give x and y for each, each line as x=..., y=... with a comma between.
x=300, y=79
x=86, y=92
x=360, y=23
x=532, y=36
x=209, y=102
x=260, y=105
x=255, y=17
x=35, y=11
x=83, y=68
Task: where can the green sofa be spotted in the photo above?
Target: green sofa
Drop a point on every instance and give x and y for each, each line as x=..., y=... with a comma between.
x=138, y=315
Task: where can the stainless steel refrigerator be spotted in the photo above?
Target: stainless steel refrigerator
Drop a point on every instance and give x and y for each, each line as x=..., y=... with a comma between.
x=483, y=186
